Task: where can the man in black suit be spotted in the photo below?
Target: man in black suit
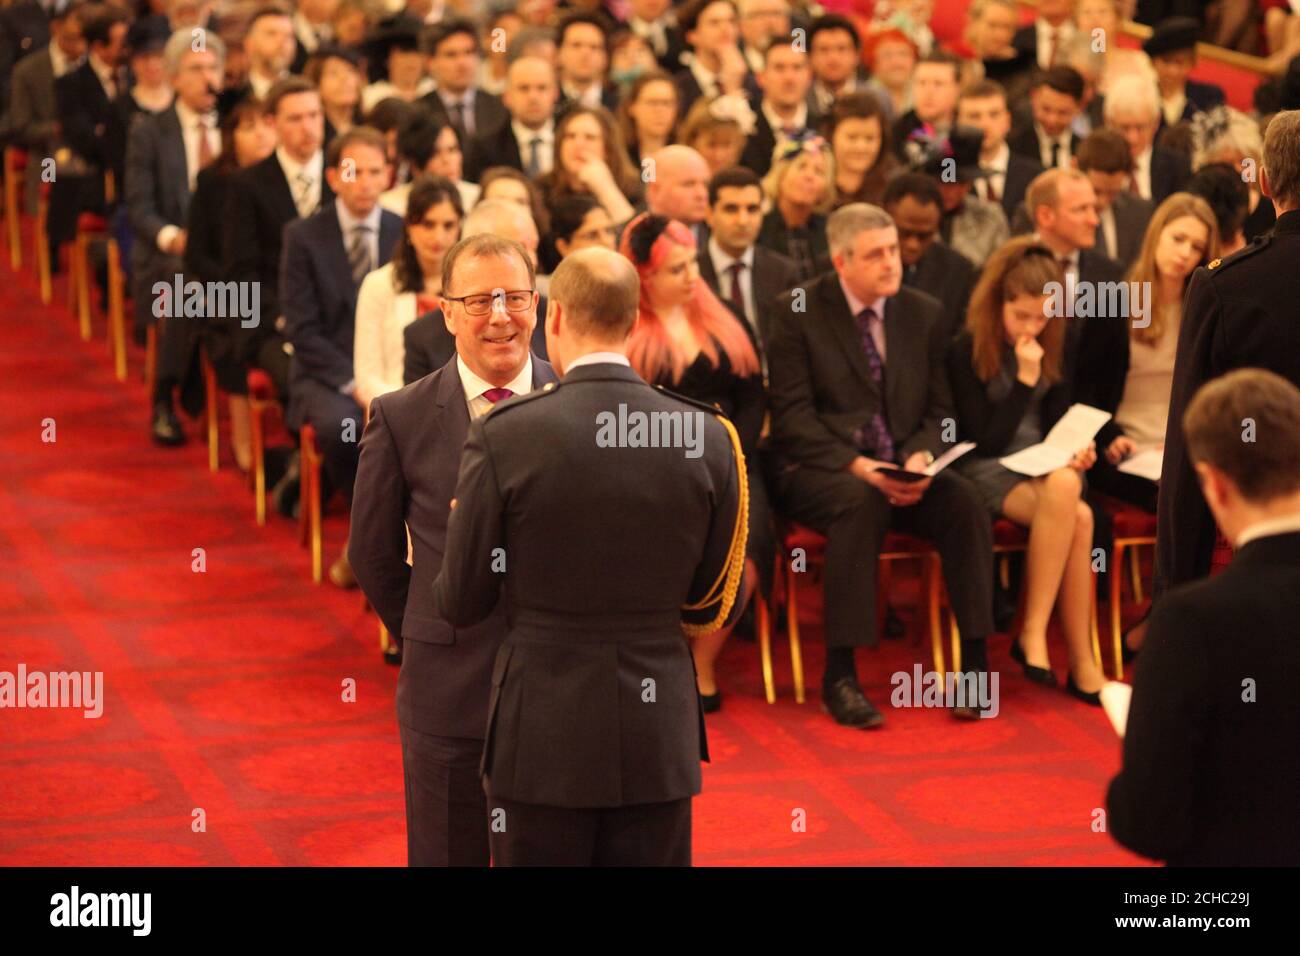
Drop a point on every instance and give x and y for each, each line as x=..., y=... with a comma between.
x=429, y=344
x=835, y=55
x=312, y=29
x=325, y=258
x=269, y=49
x=287, y=185
x=24, y=29
x=1105, y=159
x=527, y=141
x=915, y=204
x=581, y=61
x=714, y=63
x=742, y=273
x=1239, y=312
x=410, y=457
x=679, y=188
x=1044, y=39
x=1132, y=109
x=1172, y=48
x=983, y=105
x=595, y=728
x=1055, y=98
x=935, y=85
x=1211, y=776
x=164, y=155
x=858, y=387
x=453, y=49
x=782, y=112
x=655, y=22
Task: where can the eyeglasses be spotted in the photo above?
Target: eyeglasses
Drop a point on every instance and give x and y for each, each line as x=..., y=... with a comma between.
x=520, y=300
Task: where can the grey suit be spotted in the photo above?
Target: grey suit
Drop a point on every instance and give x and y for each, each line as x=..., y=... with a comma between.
x=33, y=116
x=410, y=456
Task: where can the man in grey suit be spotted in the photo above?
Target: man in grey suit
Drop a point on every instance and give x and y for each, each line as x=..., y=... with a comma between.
x=410, y=455
x=617, y=545
x=163, y=157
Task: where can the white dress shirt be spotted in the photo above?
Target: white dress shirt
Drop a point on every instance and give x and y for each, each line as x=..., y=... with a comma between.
x=307, y=199
x=1044, y=30
x=545, y=149
x=997, y=166
x=383, y=89
x=309, y=34
x=1045, y=148
x=474, y=386
x=60, y=62
x=261, y=85
x=378, y=348
x=1108, y=232
x=778, y=124
x=1142, y=173
x=598, y=358
x=107, y=77
x=706, y=78
x=722, y=265
x=1287, y=524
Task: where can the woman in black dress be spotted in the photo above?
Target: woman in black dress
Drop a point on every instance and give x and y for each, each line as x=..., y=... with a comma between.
x=689, y=342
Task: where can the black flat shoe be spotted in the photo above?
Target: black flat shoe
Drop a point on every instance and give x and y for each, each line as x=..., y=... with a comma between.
x=166, y=428
x=1037, y=675
x=711, y=703
x=1072, y=689
x=845, y=701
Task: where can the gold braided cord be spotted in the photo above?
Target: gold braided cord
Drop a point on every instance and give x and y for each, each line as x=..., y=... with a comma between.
x=727, y=585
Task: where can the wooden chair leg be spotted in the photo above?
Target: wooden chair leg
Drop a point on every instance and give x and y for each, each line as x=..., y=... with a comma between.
x=1004, y=572
x=1116, y=600
x=117, y=308
x=1135, y=573
x=763, y=622
x=13, y=192
x=212, y=402
x=315, y=507
x=42, y=251
x=792, y=627
x=82, y=252
x=256, y=424
x=932, y=581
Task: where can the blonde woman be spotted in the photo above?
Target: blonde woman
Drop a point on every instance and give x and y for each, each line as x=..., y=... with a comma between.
x=1127, y=369
x=801, y=189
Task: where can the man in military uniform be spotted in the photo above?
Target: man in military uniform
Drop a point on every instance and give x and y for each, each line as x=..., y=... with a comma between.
x=1239, y=312
x=611, y=516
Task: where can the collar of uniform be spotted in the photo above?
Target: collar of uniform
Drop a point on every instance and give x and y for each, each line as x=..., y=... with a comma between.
x=1288, y=223
x=474, y=386
x=600, y=358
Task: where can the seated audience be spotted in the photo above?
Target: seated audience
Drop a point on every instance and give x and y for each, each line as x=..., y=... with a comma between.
x=1007, y=373
x=990, y=30
x=1128, y=370
x=1220, y=185
x=973, y=226
x=1105, y=159
x=648, y=114
x=392, y=296
x=1120, y=62
x=1047, y=35
x=582, y=60
x=1225, y=135
x=936, y=81
x=579, y=222
x=864, y=160
x=714, y=65
x=326, y=256
x=397, y=46
x=1047, y=137
x=453, y=51
x=591, y=160
x=1132, y=109
x=430, y=148
x=890, y=55
x=686, y=340
x=1172, y=48
x=718, y=130
x=527, y=140
x=983, y=105
x=832, y=433
x=149, y=92
x=782, y=112
x=679, y=188
x=833, y=54
x=337, y=74
x=801, y=189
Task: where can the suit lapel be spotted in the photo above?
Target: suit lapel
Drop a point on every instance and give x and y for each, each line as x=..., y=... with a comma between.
x=451, y=423
x=279, y=188
x=843, y=325
x=174, y=157
x=900, y=353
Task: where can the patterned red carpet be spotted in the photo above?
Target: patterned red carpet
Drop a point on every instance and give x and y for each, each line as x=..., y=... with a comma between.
x=223, y=689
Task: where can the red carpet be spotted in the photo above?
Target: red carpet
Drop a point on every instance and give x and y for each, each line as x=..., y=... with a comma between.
x=223, y=689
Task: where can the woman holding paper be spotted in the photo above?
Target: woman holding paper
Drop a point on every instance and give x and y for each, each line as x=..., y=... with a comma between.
x=1129, y=370
x=1006, y=370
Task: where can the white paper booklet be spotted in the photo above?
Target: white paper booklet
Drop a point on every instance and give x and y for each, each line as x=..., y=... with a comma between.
x=1115, y=698
x=1076, y=428
x=1144, y=464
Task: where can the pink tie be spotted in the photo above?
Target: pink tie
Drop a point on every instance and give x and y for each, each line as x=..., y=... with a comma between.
x=495, y=395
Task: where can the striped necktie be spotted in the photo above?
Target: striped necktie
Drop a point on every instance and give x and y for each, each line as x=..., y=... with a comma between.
x=359, y=253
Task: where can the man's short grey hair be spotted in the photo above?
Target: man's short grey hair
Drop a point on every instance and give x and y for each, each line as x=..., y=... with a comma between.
x=1282, y=158
x=191, y=40
x=847, y=222
x=487, y=213
x=1132, y=94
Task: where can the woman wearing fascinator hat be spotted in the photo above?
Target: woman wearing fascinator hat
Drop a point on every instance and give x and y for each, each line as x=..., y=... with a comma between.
x=1225, y=135
x=801, y=189
x=689, y=342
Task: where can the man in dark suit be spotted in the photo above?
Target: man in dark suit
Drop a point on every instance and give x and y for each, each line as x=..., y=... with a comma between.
x=655, y=22
x=1239, y=312
x=410, y=457
x=581, y=61
x=428, y=343
x=983, y=105
x=527, y=141
x=164, y=155
x=915, y=204
x=1172, y=48
x=24, y=29
x=680, y=188
x=714, y=63
x=269, y=49
x=288, y=184
x=935, y=85
x=595, y=729
x=1055, y=98
x=782, y=112
x=1210, y=774
x=325, y=258
x=1105, y=159
x=858, y=388
x=1132, y=109
x=741, y=272
x=312, y=29
x=1045, y=38
x=453, y=49
x=835, y=56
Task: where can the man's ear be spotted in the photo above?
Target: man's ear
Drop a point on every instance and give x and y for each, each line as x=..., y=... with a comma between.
x=552, y=320
x=1265, y=187
x=1213, y=485
x=332, y=177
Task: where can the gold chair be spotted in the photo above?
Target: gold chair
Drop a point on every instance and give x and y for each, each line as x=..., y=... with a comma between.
x=15, y=165
x=309, y=497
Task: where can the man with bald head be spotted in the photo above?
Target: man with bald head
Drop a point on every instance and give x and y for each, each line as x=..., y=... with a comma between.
x=429, y=341
x=605, y=543
x=526, y=141
x=410, y=455
x=678, y=188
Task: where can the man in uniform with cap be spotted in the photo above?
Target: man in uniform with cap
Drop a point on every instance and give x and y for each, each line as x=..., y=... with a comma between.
x=609, y=518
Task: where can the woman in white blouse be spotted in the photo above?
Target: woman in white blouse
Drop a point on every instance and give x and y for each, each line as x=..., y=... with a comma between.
x=393, y=296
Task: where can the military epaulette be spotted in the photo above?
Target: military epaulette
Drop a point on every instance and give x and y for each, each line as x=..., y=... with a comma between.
x=1261, y=242
x=713, y=409
x=517, y=400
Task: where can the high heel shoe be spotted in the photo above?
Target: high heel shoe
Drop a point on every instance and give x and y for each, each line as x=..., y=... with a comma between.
x=1037, y=675
x=1073, y=690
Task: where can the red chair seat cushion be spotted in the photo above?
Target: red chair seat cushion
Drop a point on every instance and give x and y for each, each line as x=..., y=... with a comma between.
x=91, y=222
x=1008, y=534
x=18, y=159
x=260, y=385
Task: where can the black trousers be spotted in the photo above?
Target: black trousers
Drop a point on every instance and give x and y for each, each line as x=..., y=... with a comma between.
x=446, y=811
x=338, y=421
x=854, y=517
x=648, y=834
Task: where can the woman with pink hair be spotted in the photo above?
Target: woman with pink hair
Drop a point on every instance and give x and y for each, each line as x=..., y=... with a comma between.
x=689, y=342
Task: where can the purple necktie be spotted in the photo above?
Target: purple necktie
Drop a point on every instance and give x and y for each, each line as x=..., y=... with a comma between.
x=495, y=395
x=873, y=438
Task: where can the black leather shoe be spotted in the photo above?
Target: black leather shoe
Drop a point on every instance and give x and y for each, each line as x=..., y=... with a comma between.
x=1038, y=675
x=285, y=493
x=711, y=703
x=1072, y=689
x=845, y=701
x=166, y=427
